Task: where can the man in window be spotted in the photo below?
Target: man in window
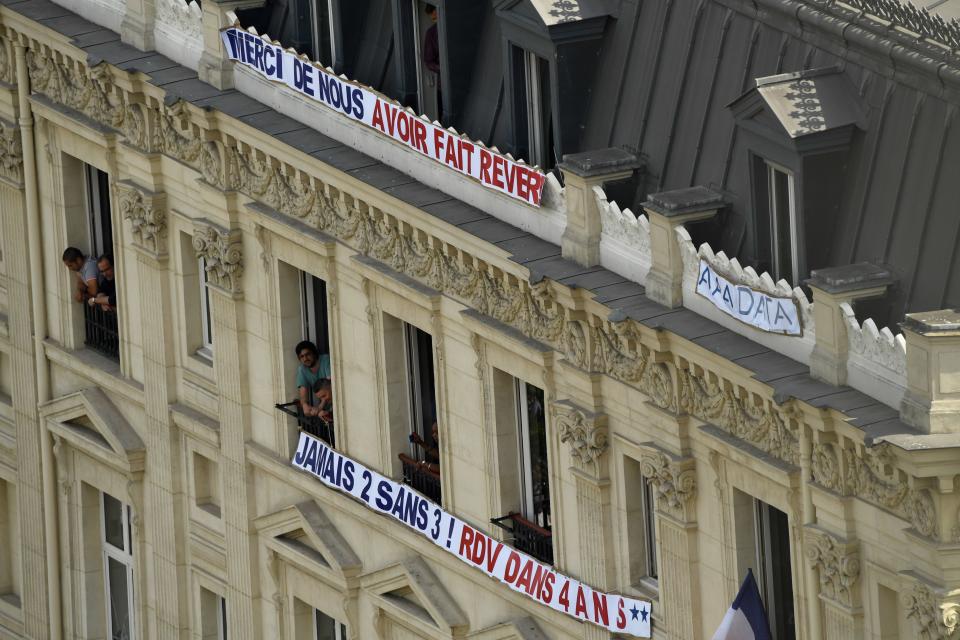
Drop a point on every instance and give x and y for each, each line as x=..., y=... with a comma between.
x=431, y=448
x=431, y=54
x=323, y=393
x=313, y=368
x=85, y=268
x=107, y=296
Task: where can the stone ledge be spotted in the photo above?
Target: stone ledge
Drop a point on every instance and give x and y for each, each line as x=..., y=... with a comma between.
x=600, y=162
x=945, y=322
x=682, y=201
x=862, y=275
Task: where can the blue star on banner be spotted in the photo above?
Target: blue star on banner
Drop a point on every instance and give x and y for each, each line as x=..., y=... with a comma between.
x=634, y=611
x=643, y=614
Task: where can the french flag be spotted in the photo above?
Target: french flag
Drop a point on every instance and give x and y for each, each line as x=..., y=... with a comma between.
x=746, y=619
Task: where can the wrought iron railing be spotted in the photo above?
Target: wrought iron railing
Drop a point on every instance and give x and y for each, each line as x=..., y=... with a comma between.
x=314, y=425
x=528, y=536
x=100, y=331
x=421, y=478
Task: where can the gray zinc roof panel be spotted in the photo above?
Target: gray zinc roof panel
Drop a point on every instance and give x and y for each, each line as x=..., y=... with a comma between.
x=771, y=365
x=417, y=194
x=307, y=140
x=730, y=345
x=801, y=387
x=115, y=53
x=593, y=279
x=529, y=248
x=614, y=292
x=271, y=122
x=149, y=65
x=343, y=158
x=871, y=414
x=556, y=268
x=455, y=212
x=70, y=25
x=381, y=176
x=493, y=230
x=100, y=36
x=686, y=324
x=846, y=400
x=164, y=77
x=892, y=427
x=191, y=90
x=42, y=9
x=233, y=103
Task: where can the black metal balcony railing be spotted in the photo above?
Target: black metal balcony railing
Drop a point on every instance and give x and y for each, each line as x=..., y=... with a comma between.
x=314, y=425
x=424, y=480
x=528, y=536
x=101, y=333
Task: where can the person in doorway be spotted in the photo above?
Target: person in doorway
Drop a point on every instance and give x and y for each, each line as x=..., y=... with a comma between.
x=85, y=269
x=107, y=295
x=430, y=448
x=313, y=368
x=431, y=54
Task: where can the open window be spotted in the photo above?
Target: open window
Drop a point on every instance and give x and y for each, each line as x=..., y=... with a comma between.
x=206, y=313
x=521, y=406
x=118, y=567
x=777, y=223
x=213, y=615
x=308, y=26
x=533, y=114
x=98, y=210
x=101, y=331
x=641, y=526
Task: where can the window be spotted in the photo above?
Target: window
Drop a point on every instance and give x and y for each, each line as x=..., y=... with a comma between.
x=773, y=568
x=322, y=34
x=9, y=544
x=206, y=484
x=206, y=318
x=649, y=531
x=423, y=403
x=326, y=628
x=313, y=306
x=641, y=531
x=889, y=614
x=98, y=209
x=533, y=119
x=778, y=247
x=213, y=615
x=426, y=57
x=532, y=448
x=118, y=567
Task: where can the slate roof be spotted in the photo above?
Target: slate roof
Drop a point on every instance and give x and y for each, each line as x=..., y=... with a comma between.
x=625, y=299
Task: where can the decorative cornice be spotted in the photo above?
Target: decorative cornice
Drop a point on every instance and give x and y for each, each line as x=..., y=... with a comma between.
x=837, y=563
x=583, y=431
x=11, y=151
x=935, y=617
x=222, y=253
x=673, y=480
x=147, y=215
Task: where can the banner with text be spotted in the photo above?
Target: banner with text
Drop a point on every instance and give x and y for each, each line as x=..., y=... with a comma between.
x=361, y=103
x=756, y=308
x=515, y=569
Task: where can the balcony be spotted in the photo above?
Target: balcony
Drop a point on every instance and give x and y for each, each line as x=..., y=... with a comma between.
x=100, y=331
x=421, y=478
x=314, y=425
x=528, y=537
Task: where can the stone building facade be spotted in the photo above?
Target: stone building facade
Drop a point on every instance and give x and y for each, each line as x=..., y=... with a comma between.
x=145, y=477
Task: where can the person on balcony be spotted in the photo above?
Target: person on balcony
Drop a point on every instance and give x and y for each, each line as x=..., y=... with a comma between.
x=313, y=368
x=87, y=277
x=107, y=296
x=323, y=393
x=431, y=448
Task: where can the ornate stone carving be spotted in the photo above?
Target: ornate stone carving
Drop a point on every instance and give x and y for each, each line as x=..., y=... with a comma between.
x=181, y=19
x=935, y=619
x=222, y=255
x=826, y=466
x=583, y=431
x=90, y=91
x=612, y=355
x=742, y=416
x=147, y=216
x=673, y=480
x=576, y=344
x=11, y=152
x=838, y=565
x=875, y=478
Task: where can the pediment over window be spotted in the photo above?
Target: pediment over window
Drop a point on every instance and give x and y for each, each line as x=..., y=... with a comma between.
x=90, y=422
x=303, y=535
x=558, y=19
x=810, y=109
x=411, y=593
x=522, y=629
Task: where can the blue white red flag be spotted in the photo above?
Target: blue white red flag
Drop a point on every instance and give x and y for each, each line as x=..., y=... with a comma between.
x=746, y=618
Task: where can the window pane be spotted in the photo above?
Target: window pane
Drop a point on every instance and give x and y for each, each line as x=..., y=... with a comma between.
x=119, y=600
x=650, y=530
x=113, y=521
x=780, y=209
x=326, y=626
x=773, y=541
x=537, y=447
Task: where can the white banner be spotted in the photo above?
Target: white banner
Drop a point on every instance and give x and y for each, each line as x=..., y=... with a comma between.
x=756, y=308
x=388, y=117
x=517, y=570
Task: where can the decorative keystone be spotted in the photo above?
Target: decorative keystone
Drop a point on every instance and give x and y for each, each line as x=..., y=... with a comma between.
x=832, y=288
x=581, y=173
x=932, y=401
x=667, y=211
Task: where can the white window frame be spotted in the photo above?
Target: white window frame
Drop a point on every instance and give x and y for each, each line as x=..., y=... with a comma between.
x=651, y=568
x=339, y=630
x=771, y=169
x=525, y=463
x=309, y=314
x=99, y=245
x=411, y=349
x=535, y=134
x=122, y=556
x=221, y=618
x=314, y=17
x=206, y=317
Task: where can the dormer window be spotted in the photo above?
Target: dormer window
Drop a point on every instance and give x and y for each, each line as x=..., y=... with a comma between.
x=780, y=221
x=307, y=26
x=532, y=108
x=322, y=35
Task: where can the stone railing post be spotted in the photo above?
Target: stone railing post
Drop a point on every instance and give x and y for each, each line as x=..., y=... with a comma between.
x=136, y=29
x=581, y=173
x=837, y=564
x=932, y=401
x=666, y=211
x=215, y=67
x=831, y=288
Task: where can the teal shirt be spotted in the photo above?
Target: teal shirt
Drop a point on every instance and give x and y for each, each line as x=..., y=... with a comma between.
x=307, y=378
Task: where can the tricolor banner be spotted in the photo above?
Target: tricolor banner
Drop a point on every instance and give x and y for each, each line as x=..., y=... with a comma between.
x=388, y=117
x=517, y=570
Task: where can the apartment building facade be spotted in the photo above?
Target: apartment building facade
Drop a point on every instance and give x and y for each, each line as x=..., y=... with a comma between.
x=596, y=409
